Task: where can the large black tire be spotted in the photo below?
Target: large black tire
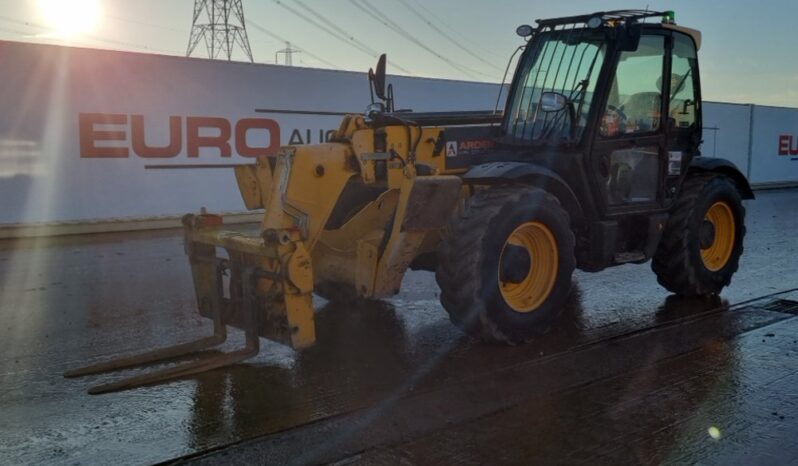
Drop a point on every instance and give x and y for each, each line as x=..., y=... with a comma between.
x=337, y=292
x=678, y=261
x=470, y=258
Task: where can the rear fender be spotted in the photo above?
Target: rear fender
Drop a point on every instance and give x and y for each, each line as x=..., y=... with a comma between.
x=723, y=167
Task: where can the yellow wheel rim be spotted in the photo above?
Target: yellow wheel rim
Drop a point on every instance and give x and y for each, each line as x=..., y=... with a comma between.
x=717, y=254
x=529, y=292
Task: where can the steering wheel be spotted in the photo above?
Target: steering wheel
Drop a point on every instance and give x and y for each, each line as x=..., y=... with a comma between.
x=616, y=127
x=618, y=111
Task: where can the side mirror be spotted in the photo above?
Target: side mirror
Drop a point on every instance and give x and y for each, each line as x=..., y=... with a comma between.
x=371, y=84
x=629, y=38
x=552, y=102
x=379, y=78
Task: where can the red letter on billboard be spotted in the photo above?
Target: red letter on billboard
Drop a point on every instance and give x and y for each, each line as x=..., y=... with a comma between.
x=195, y=141
x=246, y=124
x=89, y=136
x=140, y=146
x=784, y=144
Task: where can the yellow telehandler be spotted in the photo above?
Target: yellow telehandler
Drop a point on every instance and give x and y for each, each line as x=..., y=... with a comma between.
x=593, y=163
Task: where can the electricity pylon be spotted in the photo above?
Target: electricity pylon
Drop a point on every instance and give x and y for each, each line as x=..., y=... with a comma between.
x=224, y=28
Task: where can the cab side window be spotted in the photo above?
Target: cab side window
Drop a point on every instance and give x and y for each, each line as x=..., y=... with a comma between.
x=635, y=99
x=684, y=75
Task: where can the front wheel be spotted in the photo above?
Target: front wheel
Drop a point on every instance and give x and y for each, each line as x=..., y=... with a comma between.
x=702, y=243
x=505, y=264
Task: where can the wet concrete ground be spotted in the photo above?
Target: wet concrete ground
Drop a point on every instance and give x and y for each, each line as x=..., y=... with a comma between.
x=631, y=376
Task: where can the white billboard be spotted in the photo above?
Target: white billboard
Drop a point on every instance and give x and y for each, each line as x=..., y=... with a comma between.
x=97, y=135
x=774, y=151
x=727, y=132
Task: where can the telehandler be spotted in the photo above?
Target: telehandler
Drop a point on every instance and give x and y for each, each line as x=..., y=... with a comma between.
x=593, y=163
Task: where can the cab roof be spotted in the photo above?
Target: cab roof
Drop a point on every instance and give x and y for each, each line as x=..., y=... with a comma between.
x=615, y=17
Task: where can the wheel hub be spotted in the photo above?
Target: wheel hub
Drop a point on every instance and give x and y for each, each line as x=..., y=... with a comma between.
x=516, y=264
x=706, y=234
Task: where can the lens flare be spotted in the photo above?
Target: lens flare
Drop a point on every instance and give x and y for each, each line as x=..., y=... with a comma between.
x=71, y=18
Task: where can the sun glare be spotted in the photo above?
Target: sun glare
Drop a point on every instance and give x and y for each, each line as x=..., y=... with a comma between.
x=71, y=18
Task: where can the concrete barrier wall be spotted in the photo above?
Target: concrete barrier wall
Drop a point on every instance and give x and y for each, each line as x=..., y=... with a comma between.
x=94, y=138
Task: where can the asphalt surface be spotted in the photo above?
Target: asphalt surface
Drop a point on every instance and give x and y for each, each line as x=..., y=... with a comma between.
x=631, y=375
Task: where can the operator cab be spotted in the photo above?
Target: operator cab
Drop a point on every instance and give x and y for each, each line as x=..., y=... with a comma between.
x=620, y=94
x=608, y=103
x=609, y=63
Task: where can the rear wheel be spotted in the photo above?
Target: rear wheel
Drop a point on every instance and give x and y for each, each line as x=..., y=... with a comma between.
x=505, y=264
x=701, y=247
x=337, y=292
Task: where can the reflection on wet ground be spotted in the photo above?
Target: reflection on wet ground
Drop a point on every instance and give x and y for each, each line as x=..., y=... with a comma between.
x=620, y=398
x=666, y=411
x=631, y=374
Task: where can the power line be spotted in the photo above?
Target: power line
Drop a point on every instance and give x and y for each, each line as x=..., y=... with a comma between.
x=456, y=31
x=15, y=31
x=376, y=14
x=447, y=36
x=91, y=37
x=336, y=32
x=342, y=34
x=284, y=40
x=314, y=23
x=338, y=29
x=142, y=23
x=173, y=52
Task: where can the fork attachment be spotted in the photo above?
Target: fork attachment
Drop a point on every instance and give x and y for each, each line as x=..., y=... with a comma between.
x=262, y=299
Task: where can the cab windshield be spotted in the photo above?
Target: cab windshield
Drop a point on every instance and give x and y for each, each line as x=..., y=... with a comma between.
x=565, y=62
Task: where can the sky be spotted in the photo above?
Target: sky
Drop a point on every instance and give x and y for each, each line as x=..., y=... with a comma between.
x=747, y=54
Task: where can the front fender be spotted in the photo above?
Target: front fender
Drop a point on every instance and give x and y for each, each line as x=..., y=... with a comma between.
x=529, y=173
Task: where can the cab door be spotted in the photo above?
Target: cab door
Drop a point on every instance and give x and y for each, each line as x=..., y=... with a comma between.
x=629, y=153
x=684, y=111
